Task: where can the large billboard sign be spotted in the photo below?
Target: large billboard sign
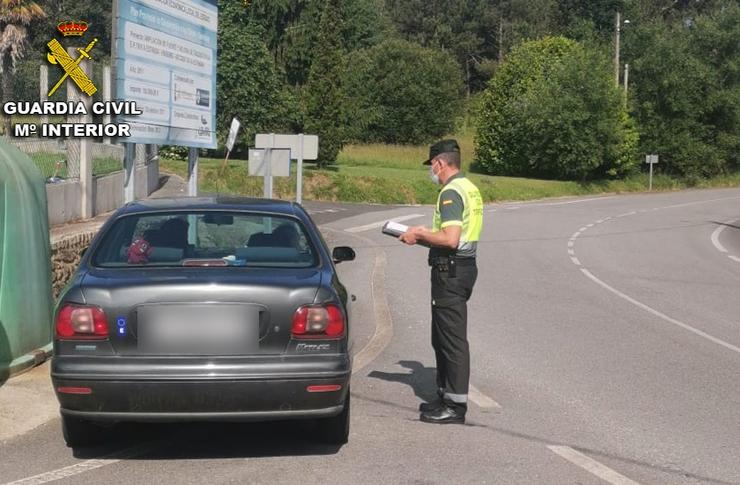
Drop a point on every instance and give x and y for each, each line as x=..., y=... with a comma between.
x=165, y=54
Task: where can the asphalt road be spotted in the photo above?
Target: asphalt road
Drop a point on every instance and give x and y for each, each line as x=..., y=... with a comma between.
x=605, y=339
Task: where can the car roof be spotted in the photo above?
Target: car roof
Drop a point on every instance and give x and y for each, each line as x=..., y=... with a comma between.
x=210, y=203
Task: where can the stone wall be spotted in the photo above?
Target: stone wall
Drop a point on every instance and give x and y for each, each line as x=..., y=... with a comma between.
x=65, y=256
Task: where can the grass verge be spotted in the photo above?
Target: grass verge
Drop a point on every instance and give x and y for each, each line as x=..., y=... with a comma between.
x=406, y=181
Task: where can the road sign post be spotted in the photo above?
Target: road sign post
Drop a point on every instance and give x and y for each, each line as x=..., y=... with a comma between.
x=299, y=171
x=651, y=160
x=302, y=147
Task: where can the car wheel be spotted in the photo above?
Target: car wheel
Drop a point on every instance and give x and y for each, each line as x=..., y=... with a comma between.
x=78, y=432
x=335, y=430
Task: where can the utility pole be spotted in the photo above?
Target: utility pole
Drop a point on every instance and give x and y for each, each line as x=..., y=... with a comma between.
x=626, y=81
x=617, y=31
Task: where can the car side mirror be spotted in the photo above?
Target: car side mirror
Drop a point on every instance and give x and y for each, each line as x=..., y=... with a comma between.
x=343, y=253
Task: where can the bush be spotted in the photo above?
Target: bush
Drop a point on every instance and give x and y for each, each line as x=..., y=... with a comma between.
x=400, y=92
x=172, y=152
x=686, y=92
x=552, y=111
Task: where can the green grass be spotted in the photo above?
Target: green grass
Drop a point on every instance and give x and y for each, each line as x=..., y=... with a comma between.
x=392, y=174
x=46, y=162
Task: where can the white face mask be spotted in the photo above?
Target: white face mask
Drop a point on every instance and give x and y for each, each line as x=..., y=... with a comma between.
x=433, y=176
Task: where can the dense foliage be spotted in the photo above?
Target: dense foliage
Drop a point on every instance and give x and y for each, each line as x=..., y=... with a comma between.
x=400, y=92
x=553, y=111
x=324, y=101
x=686, y=92
x=254, y=95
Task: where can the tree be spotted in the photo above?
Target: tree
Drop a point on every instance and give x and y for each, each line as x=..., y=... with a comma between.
x=400, y=92
x=15, y=18
x=248, y=84
x=685, y=90
x=552, y=111
x=323, y=101
x=466, y=28
x=292, y=33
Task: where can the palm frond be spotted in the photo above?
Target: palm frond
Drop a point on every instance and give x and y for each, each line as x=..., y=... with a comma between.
x=20, y=12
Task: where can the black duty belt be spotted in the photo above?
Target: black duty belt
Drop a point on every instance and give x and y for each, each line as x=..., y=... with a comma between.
x=446, y=260
x=447, y=264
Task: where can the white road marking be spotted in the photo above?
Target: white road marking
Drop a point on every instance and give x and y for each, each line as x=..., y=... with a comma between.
x=571, y=252
x=513, y=208
x=481, y=399
x=592, y=466
x=571, y=243
x=658, y=314
x=695, y=203
x=583, y=229
x=375, y=225
x=579, y=201
x=715, y=237
x=85, y=466
x=663, y=316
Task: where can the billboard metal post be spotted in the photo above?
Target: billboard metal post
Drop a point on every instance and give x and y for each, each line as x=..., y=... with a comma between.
x=107, y=96
x=193, y=172
x=129, y=165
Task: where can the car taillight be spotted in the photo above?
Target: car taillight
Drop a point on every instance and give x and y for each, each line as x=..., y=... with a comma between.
x=81, y=322
x=317, y=321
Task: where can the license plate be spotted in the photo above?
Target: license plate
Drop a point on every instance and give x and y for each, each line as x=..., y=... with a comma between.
x=213, y=329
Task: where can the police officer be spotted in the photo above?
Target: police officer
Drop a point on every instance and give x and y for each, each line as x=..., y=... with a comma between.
x=458, y=219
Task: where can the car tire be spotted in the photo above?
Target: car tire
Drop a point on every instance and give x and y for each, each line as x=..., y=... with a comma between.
x=78, y=432
x=335, y=430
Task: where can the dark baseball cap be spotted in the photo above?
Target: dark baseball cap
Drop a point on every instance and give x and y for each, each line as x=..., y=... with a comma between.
x=442, y=146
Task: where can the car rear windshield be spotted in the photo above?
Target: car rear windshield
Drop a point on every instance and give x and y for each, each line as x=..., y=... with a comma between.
x=206, y=239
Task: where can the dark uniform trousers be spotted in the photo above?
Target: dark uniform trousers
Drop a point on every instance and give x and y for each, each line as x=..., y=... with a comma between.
x=452, y=286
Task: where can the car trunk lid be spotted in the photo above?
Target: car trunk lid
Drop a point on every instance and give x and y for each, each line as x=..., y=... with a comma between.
x=200, y=311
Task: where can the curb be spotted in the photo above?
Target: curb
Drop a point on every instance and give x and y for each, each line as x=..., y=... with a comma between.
x=29, y=361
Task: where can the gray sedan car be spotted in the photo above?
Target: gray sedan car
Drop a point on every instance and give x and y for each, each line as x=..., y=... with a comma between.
x=204, y=309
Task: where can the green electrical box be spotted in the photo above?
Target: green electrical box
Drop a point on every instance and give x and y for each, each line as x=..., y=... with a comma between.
x=26, y=304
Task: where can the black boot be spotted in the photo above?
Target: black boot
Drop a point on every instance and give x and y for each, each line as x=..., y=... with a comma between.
x=431, y=405
x=446, y=413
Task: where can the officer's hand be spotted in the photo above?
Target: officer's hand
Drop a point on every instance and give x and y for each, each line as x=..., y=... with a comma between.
x=408, y=237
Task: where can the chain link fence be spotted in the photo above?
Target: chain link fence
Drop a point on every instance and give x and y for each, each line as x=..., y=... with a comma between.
x=58, y=160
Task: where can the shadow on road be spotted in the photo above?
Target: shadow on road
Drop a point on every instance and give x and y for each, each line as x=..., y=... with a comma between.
x=421, y=379
x=202, y=441
x=725, y=224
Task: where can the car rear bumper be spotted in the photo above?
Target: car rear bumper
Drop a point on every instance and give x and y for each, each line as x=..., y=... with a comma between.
x=188, y=390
